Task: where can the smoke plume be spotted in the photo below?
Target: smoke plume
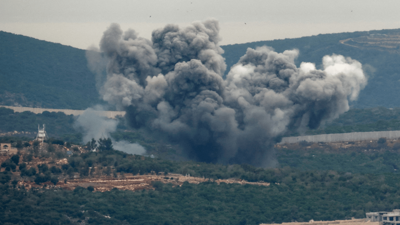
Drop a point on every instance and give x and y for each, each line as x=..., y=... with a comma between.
x=172, y=86
x=93, y=125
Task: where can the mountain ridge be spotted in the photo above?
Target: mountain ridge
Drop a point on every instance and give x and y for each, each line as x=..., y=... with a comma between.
x=37, y=73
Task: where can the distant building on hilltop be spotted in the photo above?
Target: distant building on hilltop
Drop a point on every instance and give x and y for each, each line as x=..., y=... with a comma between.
x=7, y=149
x=41, y=135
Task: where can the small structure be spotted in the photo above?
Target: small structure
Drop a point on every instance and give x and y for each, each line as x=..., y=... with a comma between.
x=7, y=149
x=375, y=216
x=385, y=218
x=41, y=135
x=335, y=222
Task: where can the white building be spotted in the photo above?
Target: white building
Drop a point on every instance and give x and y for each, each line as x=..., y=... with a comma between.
x=386, y=218
x=7, y=149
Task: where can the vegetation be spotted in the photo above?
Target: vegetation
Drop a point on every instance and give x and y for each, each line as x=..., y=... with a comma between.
x=299, y=196
x=57, y=124
x=307, y=185
x=376, y=162
x=362, y=120
x=43, y=74
x=61, y=126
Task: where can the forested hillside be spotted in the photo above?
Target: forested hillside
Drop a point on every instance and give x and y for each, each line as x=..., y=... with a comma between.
x=306, y=188
x=61, y=126
x=43, y=74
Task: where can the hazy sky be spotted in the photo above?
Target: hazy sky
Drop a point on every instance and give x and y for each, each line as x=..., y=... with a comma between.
x=82, y=23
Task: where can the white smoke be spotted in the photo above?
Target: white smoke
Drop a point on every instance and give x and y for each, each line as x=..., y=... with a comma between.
x=130, y=148
x=93, y=124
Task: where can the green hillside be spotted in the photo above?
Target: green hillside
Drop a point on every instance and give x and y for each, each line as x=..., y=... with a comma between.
x=43, y=74
x=296, y=193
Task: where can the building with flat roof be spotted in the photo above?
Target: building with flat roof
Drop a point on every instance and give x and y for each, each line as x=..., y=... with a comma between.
x=386, y=218
x=7, y=149
x=335, y=222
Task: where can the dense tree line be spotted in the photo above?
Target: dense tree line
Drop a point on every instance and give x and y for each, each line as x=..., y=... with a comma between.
x=44, y=74
x=60, y=126
x=300, y=196
x=57, y=123
x=373, y=162
x=307, y=185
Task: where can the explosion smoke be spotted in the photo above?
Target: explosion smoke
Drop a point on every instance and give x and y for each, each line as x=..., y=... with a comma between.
x=172, y=86
x=93, y=125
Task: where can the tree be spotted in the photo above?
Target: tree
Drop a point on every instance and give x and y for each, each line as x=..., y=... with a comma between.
x=54, y=180
x=28, y=158
x=55, y=170
x=29, y=173
x=381, y=141
x=158, y=185
x=92, y=144
x=14, y=183
x=57, y=142
x=22, y=166
x=84, y=172
x=41, y=178
x=15, y=159
x=36, y=145
x=9, y=165
x=108, y=171
x=105, y=144
x=396, y=146
x=43, y=168
x=19, y=145
x=51, y=148
x=5, y=177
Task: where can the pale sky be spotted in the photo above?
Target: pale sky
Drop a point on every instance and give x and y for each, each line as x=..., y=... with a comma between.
x=81, y=23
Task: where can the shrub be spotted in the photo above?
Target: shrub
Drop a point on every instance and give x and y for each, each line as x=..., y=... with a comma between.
x=15, y=159
x=381, y=141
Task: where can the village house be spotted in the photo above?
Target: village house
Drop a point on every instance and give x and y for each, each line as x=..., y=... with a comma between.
x=7, y=149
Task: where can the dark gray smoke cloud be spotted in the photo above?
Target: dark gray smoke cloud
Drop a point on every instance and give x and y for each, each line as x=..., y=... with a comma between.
x=172, y=87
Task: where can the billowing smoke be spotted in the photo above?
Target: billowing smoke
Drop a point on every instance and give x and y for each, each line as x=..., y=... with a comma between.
x=131, y=148
x=94, y=125
x=173, y=87
x=97, y=63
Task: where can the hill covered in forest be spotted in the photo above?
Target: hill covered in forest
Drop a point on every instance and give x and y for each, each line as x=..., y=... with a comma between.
x=43, y=74
x=37, y=73
x=44, y=183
